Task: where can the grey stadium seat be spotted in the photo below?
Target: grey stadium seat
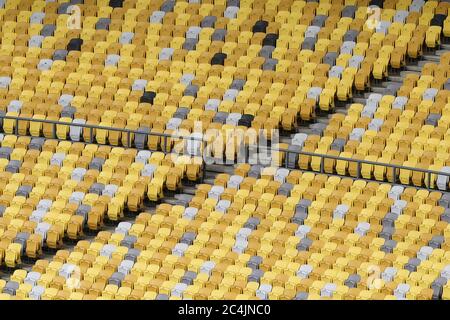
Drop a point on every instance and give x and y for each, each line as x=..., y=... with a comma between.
x=15, y=106
x=330, y=58
x=166, y=54
x=68, y=111
x=60, y=54
x=48, y=30
x=75, y=131
x=193, y=32
x=220, y=117
x=102, y=24
x=208, y=22
x=312, y=31
x=319, y=21
x=266, y=51
x=112, y=60
x=350, y=35
x=187, y=78
x=219, y=35
x=308, y=43
x=338, y=144
x=252, y=223
x=157, y=17
x=190, y=44
x=347, y=47
x=65, y=100
x=168, y=6
x=44, y=64
x=237, y=84
x=35, y=41
x=140, y=140
x=335, y=71
x=116, y=279
x=96, y=163
x=433, y=119
x=270, y=64
x=11, y=287
x=62, y=9
x=400, y=16
x=110, y=190
x=128, y=241
x=349, y=12
x=231, y=12
x=126, y=37
x=139, y=85
x=388, y=246
x=37, y=17
x=97, y=188
x=191, y=90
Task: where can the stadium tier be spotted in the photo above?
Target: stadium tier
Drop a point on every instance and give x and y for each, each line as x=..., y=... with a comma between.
x=226, y=149
x=279, y=235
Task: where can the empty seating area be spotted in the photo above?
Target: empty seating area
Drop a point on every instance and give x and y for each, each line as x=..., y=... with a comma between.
x=408, y=127
x=110, y=111
x=52, y=191
x=175, y=67
x=147, y=65
x=263, y=233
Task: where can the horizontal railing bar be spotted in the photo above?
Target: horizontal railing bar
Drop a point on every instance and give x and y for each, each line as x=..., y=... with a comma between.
x=91, y=126
x=383, y=164
x=180, y=137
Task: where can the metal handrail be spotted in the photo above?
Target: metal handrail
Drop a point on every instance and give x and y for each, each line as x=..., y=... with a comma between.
x=86, y=126
x=166, y=136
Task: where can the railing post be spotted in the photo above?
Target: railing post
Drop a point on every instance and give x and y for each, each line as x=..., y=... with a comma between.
x=322, y=163
x=286, y=159
x=203, y=160
x=165, y=144
x=258, y=148
x=358, y=169
x=246, y=152
x=429, y=180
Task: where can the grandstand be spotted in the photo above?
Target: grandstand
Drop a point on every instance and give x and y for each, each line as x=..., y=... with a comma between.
x=225, y=149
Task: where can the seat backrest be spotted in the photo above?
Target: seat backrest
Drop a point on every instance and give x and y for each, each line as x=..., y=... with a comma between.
x=187, y=78
x=219, y=35
x=349, y=11
x=400, y=16
x=112, y=59
x=362, y=228
x=157, y=17
x=299, y=139
x=231, y=12
x=168, y=6
x=37, y=17
x=126, y=37
x=65, y=100
x=399, y=102
x=335, y=71
x=102, y=24
x=351, y=35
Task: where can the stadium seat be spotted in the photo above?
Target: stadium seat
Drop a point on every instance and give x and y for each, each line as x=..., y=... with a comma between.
x=112, y=103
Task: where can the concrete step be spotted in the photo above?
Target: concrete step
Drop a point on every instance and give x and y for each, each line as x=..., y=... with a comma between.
x=359, y=100
x=379, y=90
x=217, y=168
